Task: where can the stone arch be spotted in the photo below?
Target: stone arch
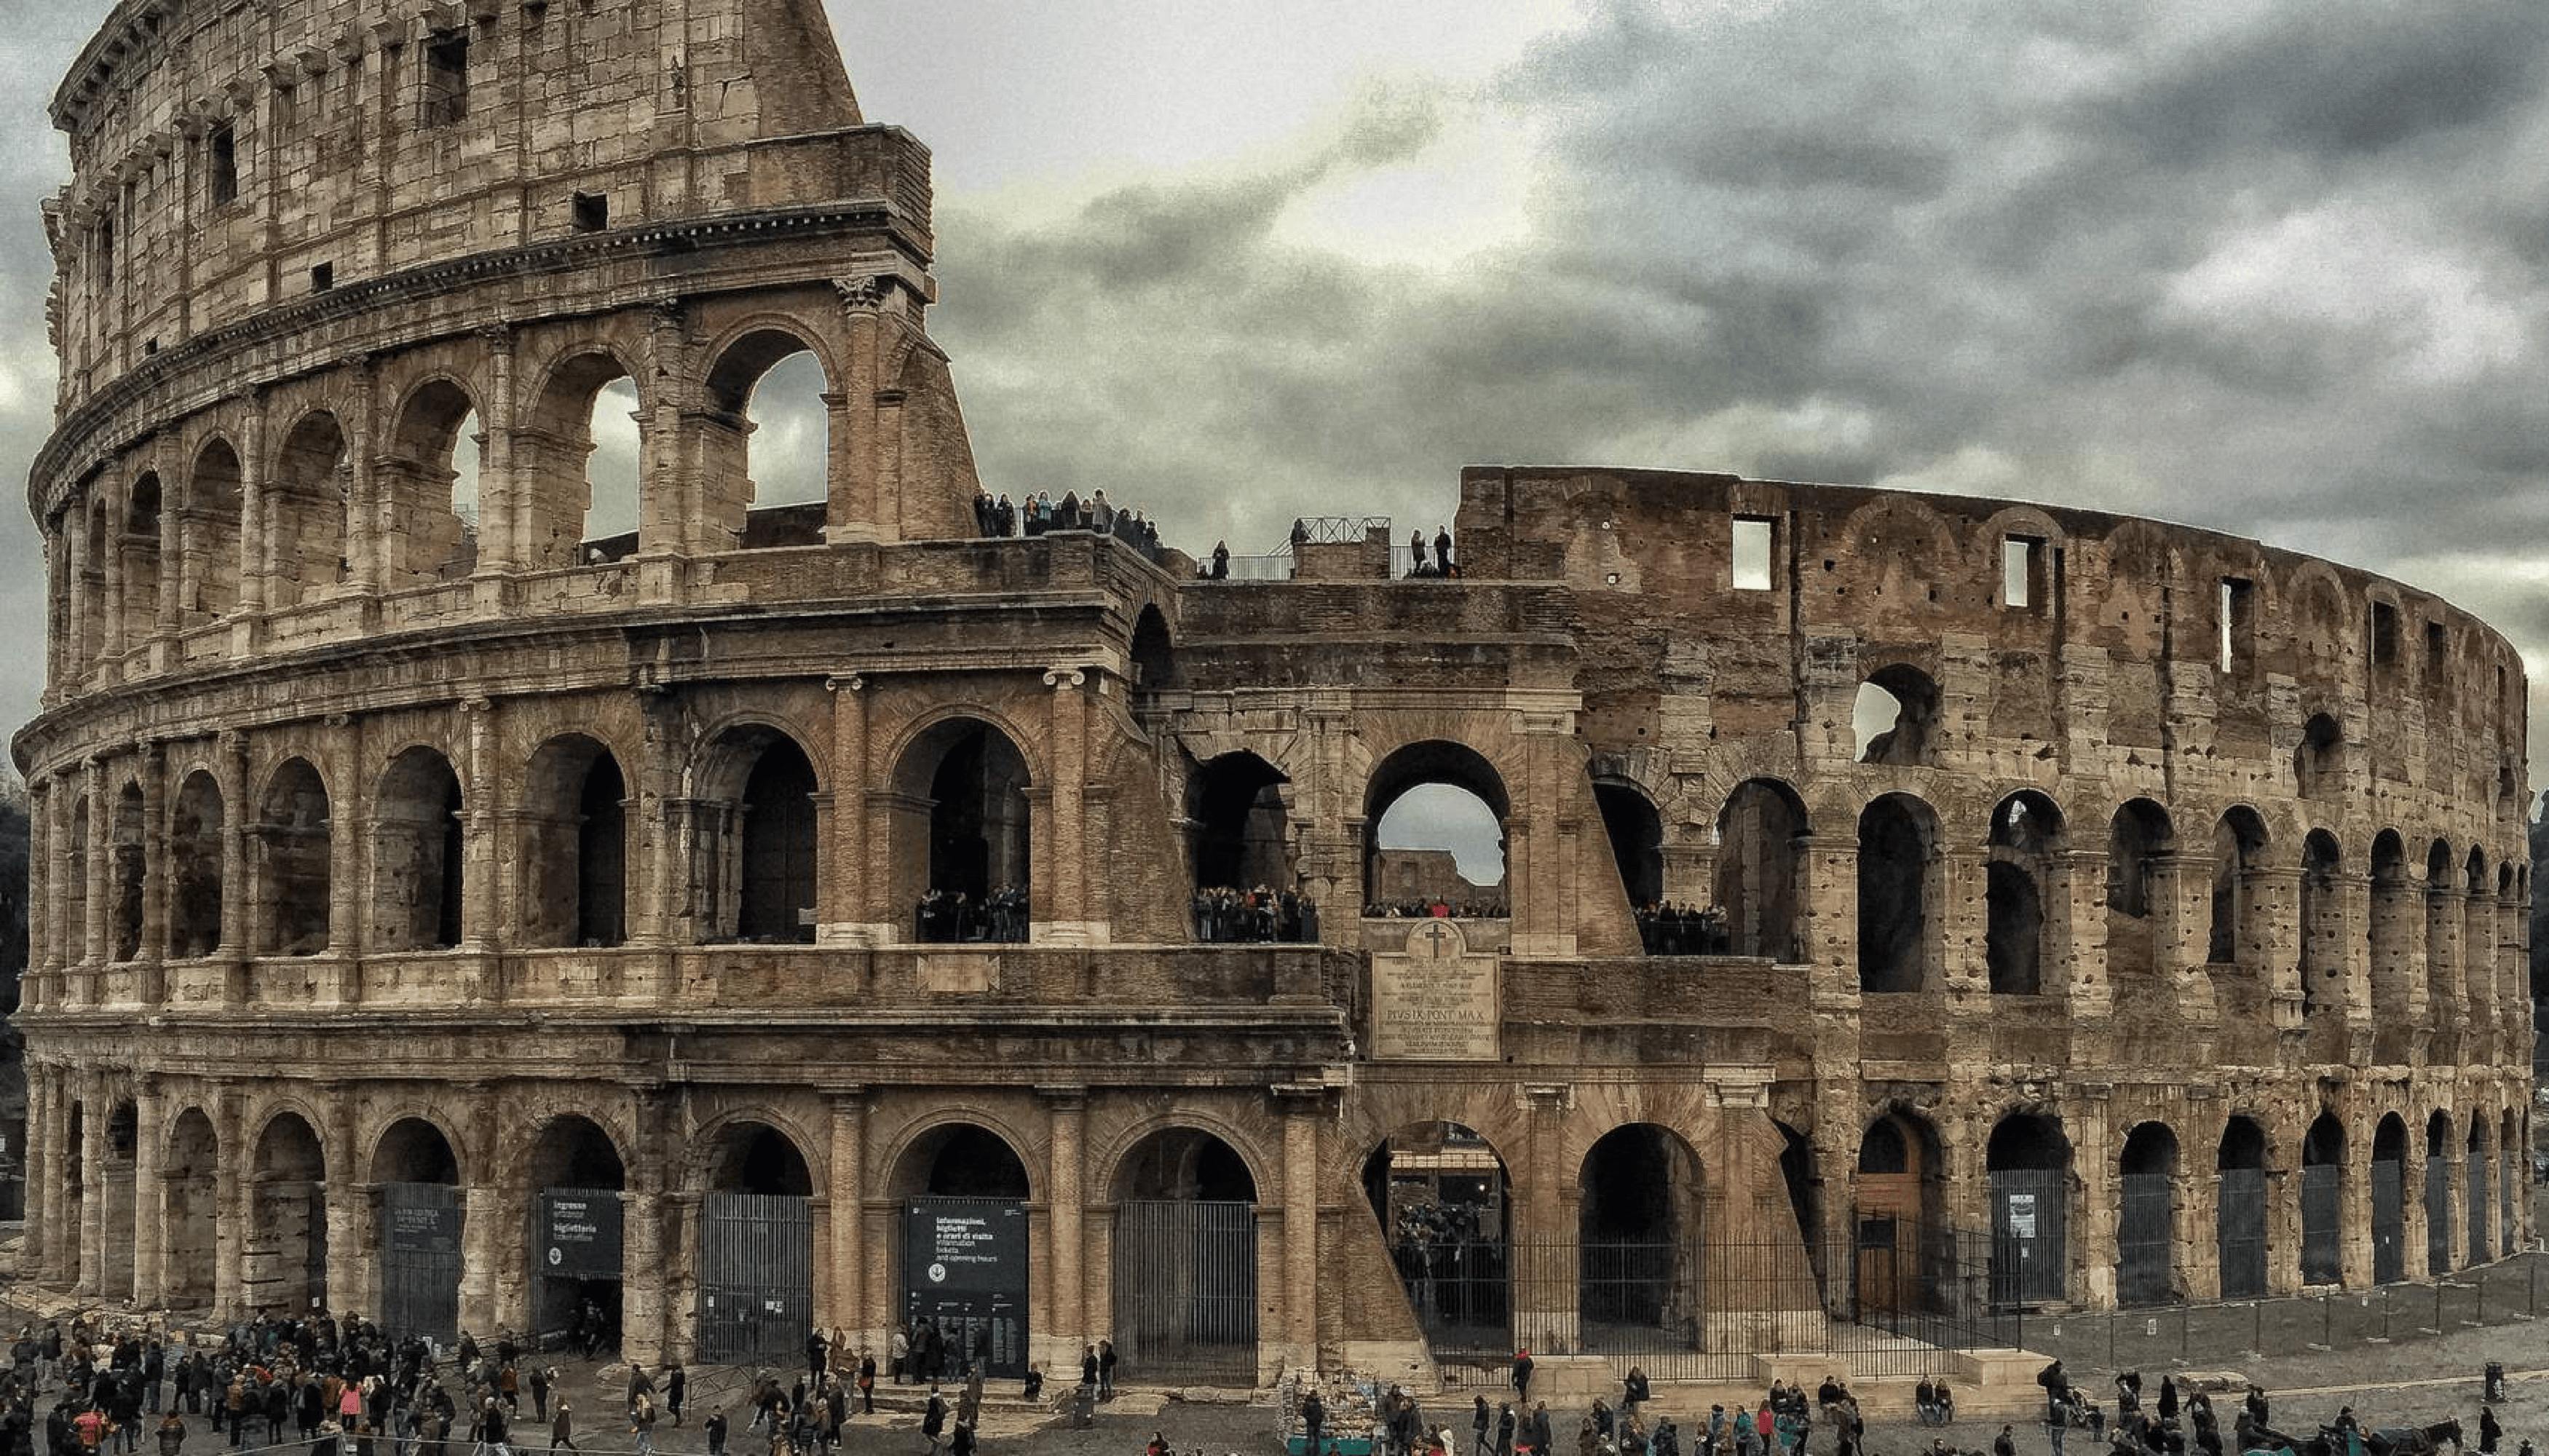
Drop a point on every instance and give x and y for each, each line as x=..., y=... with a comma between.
x=1635, y=828
x=128, y=870
x=2027, y=1162
x=2318, y=761
x=783, y=507
x=576, y=806
x=754, y=1151
x=1184, y=1256
x=195, y=858
x=2323, y=1201
x=1895, y=717
x=73, y=884
x=755, y=858
x=2390, y=1199
x=209, y=526
x=563, y=516
x=2140, y=838
x=2391, y=939
x=962, y=1151
x=306, y=493
x=284, y=1257
x=145, y=501
x=1642, y=1187
x=1442, y=1195
x=2239, y=933
x=1761, y=874
x=1237, y=828
x=433, y=524
x=418, y=857
x=290, y=862
x=2322, y=923
x=961, y=824
x=1464, y=783
x=1153, y=651
x=2146, y=1227
x=754, y=1237
x=190, y=1164
x=1897, y=886
x=2239, y=1209
x=2439, y=1146
x=2024, y=856
x=1898, y=1194
x=577, y=1180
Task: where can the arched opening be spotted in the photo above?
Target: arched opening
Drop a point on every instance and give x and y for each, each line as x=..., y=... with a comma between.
x=962, y=835
x=210, y=531
x=755, y=859
x=191, y=1212
x=416, y=855
x=578, y=456
x=2509, y=1180
x=2477, y=931
x=576, y=1235
x=127, y=867
x=1239, y=839
x=2476, y=1194
x=2237, y=934
x=2322, y=916
x=283, y=1260
x=140, y=549
x=115, y=1226
x=2323, y=1202
x=1440, y=1194
x=2318, y=763
x=962, y=1262
x=1155, y=655
x=1185, y=1244
x=1800, y=1175
x=2389, y=1200
x=2439, y=1192
x=1435, y=813
x=1900, y=1239
x=1761, y=869
x=417, y=1178
x=2444, y=974
x=756, y=1247
x=2138, y=923
x=77, y=1181
x=1637, y=835
x=306, y=513
x=2147, y=1226
x=2018, y=936
x=1895, y=717
x=1896, y=843
x=2390, y=942
x=575, y=846
x=433, y=531
x=195, y=869
x=2240, y=1218
x=1639, y=1240
x=72, y=885
x=290, y=858
x=2029, y=1165
x=764, y=444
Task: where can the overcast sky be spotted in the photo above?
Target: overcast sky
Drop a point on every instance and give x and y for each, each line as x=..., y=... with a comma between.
x=2276, y=268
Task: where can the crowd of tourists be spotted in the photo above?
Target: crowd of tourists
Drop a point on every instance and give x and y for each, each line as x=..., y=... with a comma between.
x=1668, y=928
x=1436, y=909
x=952, y=917
x=1224, y=916
x=1040, y=514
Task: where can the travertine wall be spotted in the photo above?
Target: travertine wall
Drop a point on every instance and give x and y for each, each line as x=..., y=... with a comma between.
x=381, y=844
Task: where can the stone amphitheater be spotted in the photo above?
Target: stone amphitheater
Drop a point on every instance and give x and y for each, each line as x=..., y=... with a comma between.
x=477, y=890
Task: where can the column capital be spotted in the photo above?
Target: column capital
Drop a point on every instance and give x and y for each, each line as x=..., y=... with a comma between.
x=850, y=682
x=1059, y=678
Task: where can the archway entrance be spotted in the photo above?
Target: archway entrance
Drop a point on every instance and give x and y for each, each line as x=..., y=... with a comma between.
x=2028, y=1164
x=1637, y=1247
x=1185, y=1248
x=964, y=1247
x=756, y=1257
x=1434, y=815
x=2439, y=1193
x=2323, y=1202
x=961, y=835
x=1441, y=1194
x=191, y=1165
x=1895, y=1186
x=575, y=1234
x=2146, y=1236
x=2240, y=1220
x=1235, y=804
x=284, y=1257
x=420, y=1219
x=2390, y=1200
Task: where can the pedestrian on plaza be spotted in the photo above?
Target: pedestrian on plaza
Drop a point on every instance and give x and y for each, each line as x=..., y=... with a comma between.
x=1106, y=1370
x=540, y=1375
x=2004, y=1444
x=1480, y=1419
x=677, y=1385
x=2489, y=1432
x=641, y=1420
x=867, y=1381
x=714, y=1430
x=172, y=1433
x=1522, y=1376
x=933, y=1419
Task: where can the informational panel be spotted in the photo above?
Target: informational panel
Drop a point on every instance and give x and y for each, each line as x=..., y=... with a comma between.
x=965, y=1271
x=577, y=1236
x=1434, y=1000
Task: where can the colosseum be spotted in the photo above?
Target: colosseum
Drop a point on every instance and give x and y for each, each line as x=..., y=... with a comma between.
x=481, y=891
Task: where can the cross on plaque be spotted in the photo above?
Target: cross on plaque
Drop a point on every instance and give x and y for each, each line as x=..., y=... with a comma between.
x=1435, y=936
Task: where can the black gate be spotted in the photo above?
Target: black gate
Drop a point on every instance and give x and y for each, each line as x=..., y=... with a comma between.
x=2438, y=1216
x=2240, y=1228
x=2029, y=1236
x=420, y=1242
x=2477, y=1202
x=575, y=1243
x=2142, y=1240
x=965, y=1271
x=2388, y=1220
x=2504, y=1178
x=2322, y=1225
x=1186, y=1290
x=756, y=1277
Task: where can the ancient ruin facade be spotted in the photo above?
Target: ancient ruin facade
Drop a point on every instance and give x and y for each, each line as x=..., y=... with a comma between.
x=459, y=908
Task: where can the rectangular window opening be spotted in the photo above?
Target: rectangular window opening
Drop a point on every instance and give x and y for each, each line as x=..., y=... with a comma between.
x=221, y=155
x=446, y=80
x=2385, y=635
x=2438, y=647
x=1752, y=554
x=106, y=251
x=2017, y=564
x=591, y=211
x=322, y=277
x=2239, y=622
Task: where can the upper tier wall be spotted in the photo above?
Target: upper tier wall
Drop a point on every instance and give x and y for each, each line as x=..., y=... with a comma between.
x=228, y=158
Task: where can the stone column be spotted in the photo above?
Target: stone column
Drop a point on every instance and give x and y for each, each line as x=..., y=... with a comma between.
x=231, y=1161
x=107, y=608
x=498, y=500
x=657, y=852
x=1301, y=1230
x=349, y=1206
x=852, y=512
x=42, y=892
x=1060, y=897
x=847, y=1299
x=255, y=555
x=370, y=523
x=2278, y=892
x=43, y=1173
x=1067, y=1109
x=848, y=915
x=478, y=904
x=149, y=1194
x=1545, y=1257
x=2088, y=990
x=98, y=1105
x=156, y=868
x=2089, y=1271
x=97, y=948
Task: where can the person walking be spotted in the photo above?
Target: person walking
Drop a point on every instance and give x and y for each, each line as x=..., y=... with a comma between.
x=641, y=1420
x=562, y=1427
x=1522, y=1377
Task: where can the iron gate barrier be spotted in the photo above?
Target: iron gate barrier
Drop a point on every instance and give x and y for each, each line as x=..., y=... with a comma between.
x=1186, y=1290
x=756, y=1277
x=420, y=1259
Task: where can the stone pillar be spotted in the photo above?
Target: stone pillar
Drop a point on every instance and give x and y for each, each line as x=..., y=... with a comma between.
x=350, y=1205
x=1545, y=1257
x=254, y=558
x=97, y=946
x=149, y=987
x=44, y=1175
x=848, y=914
x=371, y=523
x=478, y=929
x=1964, y=873
x=149, y=1194
x=483, y=1222
x=1301, y=1319
x=2088, y=990
x=2278, y=892
x=99, y=1105
x=498, y=491
x=350, y=825
x=1060, y=899
x=42, y=893
x=657, y=852
x=106, y=607
x=667, y=493
x=1067, y=1108
x=847, y=1298
x=231, y=1161
x=2089, y=1274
